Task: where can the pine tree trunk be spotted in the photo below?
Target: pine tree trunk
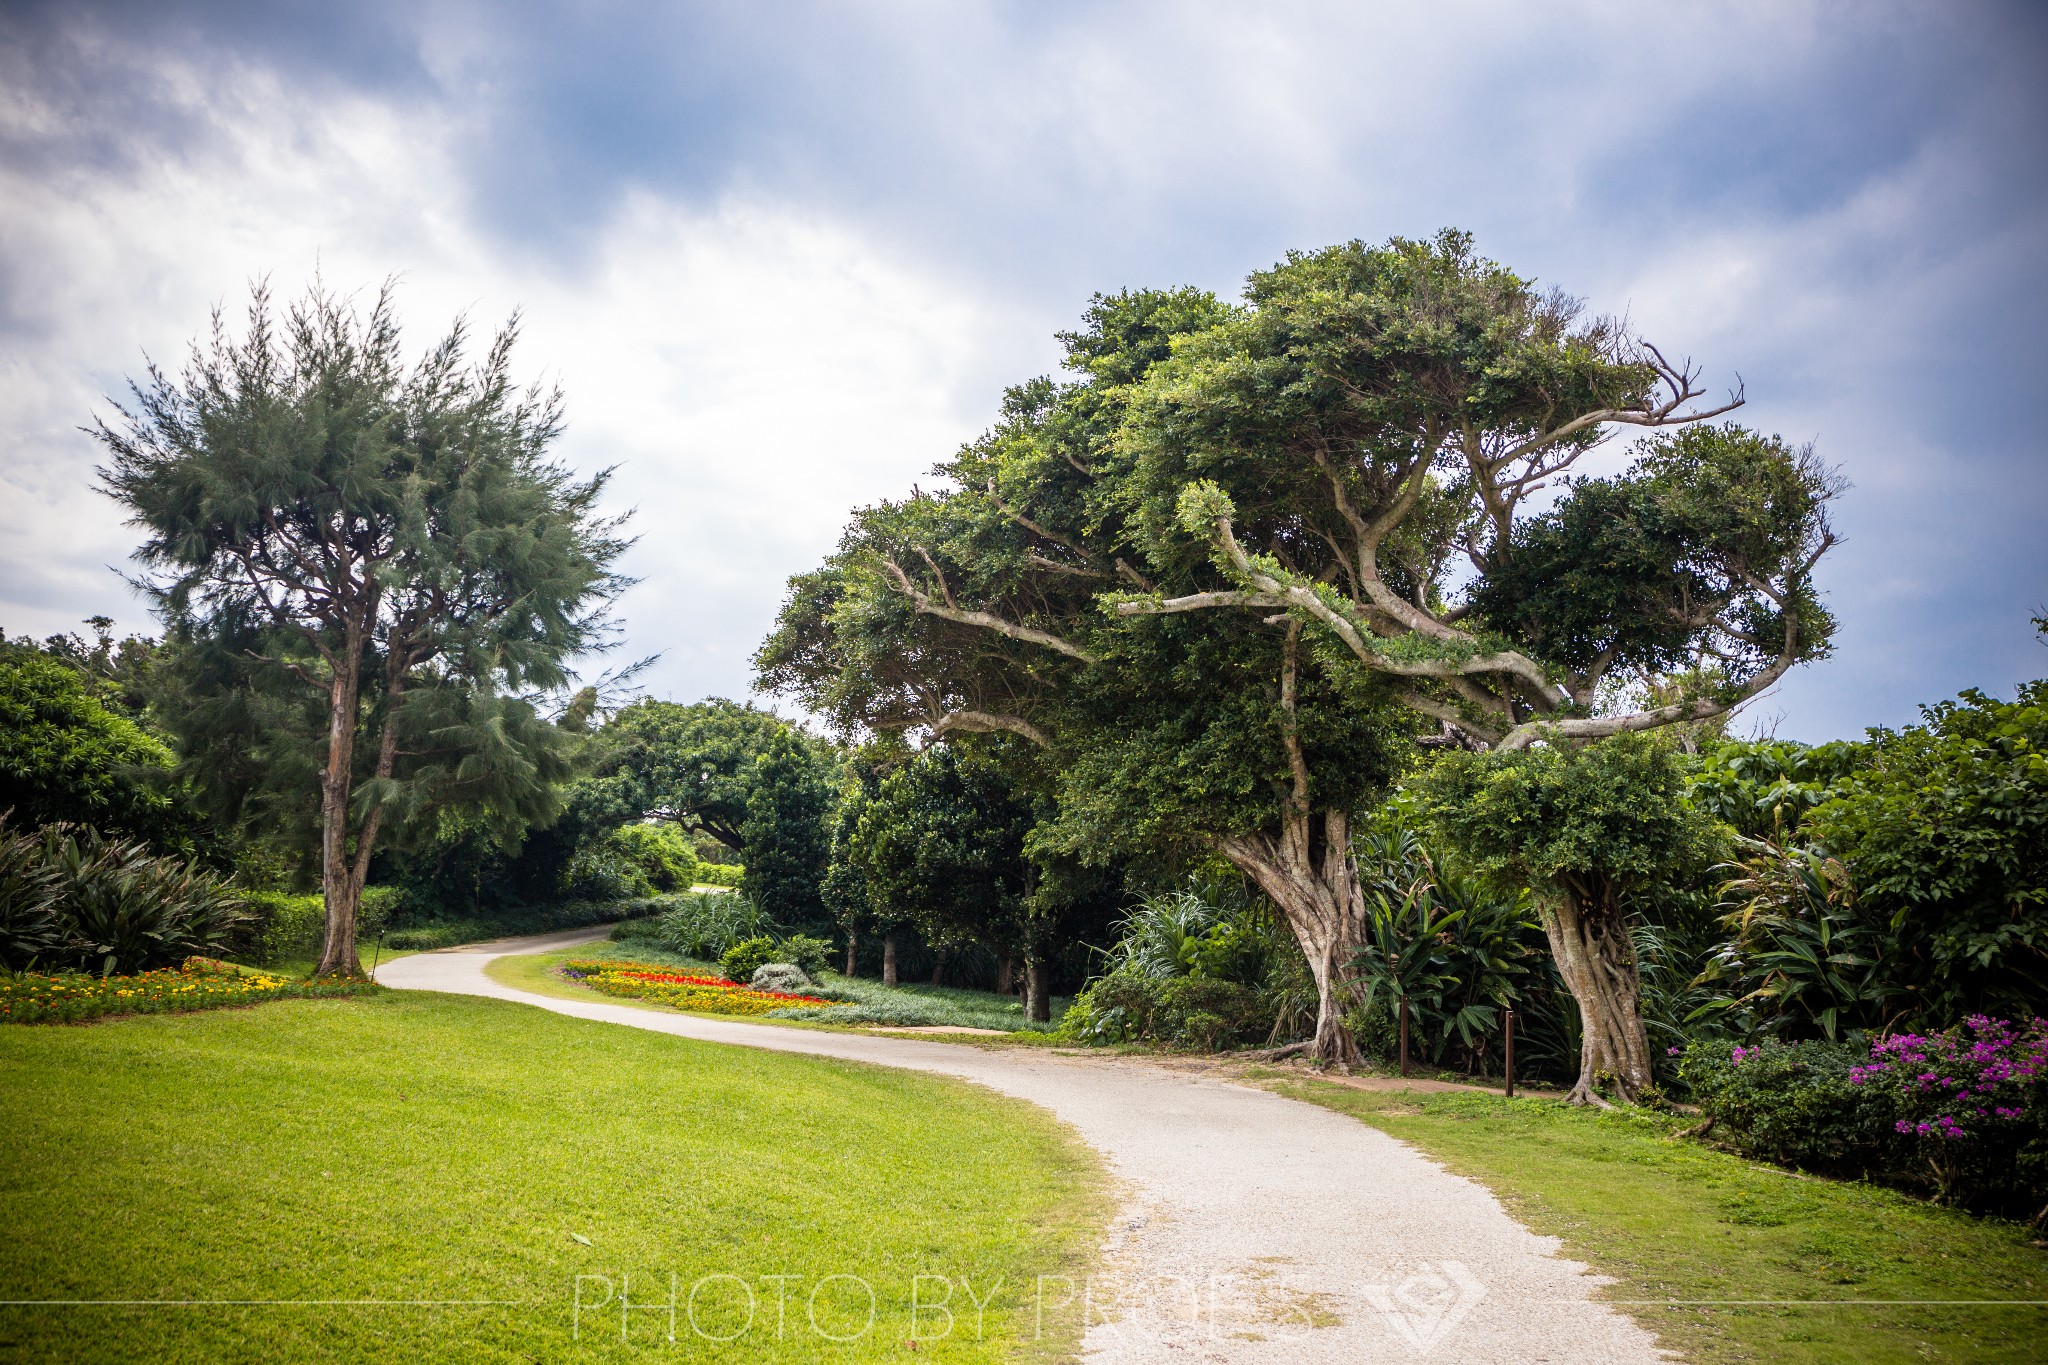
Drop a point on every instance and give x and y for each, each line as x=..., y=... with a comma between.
x=1037, y=983
x=889, y=958
x=1308, y=872
x=340, y=888
x=1596, y=956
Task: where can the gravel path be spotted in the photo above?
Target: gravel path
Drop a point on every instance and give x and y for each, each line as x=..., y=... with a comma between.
x=1253, y=1228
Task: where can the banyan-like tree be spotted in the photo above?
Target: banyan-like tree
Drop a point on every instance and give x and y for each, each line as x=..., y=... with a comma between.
x=1236, y=567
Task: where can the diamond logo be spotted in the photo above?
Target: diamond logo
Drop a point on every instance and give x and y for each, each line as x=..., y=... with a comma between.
x=1426, y=1307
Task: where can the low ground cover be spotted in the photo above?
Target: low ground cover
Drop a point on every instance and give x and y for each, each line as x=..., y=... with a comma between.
x=73, y=997
x=347, y=1162
x=1725, y=1259
x=700, y=993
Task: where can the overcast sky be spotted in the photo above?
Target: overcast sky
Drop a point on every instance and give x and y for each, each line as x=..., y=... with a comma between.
x=783, y=257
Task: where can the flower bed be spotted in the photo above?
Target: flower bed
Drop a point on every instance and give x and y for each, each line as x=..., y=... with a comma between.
x=704, y=994
x=68, y=998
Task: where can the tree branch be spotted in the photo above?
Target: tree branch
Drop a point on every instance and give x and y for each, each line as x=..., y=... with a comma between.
x=982, y=619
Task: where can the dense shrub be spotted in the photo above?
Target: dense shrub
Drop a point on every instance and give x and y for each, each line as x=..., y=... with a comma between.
x=749, y=955
x=720, y=874
x=1963, y=1113
x=65, y=756
x=1195, y=1012
x=704, y=924
x=1796, y=1104
x=290, y=928
x=1972, y=1103
x=660, y=858
x=73, y=898
x=813, y=955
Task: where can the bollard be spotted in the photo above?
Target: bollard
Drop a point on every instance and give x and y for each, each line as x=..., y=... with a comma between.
x=1508, y=1015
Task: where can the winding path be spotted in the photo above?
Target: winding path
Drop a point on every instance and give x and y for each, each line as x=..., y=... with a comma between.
x=1253, y=1228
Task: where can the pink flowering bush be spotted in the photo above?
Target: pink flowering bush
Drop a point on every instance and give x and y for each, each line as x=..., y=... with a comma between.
x=1963, y=1112
x=1972, y=1101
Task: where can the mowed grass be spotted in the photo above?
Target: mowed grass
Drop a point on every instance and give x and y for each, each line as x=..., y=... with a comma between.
x=417, y=1147
x=1671, y=1219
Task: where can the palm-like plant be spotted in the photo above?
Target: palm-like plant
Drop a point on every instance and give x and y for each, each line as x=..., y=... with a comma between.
x=1440, y=943
x=29, y=926
x=1801, y=959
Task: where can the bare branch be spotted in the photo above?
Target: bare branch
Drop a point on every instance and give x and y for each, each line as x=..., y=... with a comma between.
x=983, y=722
x=982, y=619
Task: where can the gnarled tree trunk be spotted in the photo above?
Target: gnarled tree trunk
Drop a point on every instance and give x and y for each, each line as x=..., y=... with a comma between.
x=1309, y=873
x=1590, y=941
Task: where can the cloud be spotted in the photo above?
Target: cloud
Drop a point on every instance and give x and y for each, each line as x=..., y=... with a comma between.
x=753, y=371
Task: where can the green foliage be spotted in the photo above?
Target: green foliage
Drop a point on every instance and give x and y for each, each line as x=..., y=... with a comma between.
x=1622, y=571
x=694, y=765
x=348, y=551
x=705, y=924
x=1450, y=947
x=1792, y=1103
x=785, y=830
x=743, y=959
x=660, y=856
x=940, y=844
x=1206, y=967
x=1764, y=788
x=1803, y=958
x=541, y=919
x=72, y=897
x=721, y=874
x=66, y=757
x=1945, y=831
x=31, y=929
x=1580, y=819
x=288, y=928
x=813, y=955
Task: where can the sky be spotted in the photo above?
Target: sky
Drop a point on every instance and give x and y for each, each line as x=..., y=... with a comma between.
x=783, y=257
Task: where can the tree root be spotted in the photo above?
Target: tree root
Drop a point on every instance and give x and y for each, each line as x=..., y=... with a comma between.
x=1274, y=1054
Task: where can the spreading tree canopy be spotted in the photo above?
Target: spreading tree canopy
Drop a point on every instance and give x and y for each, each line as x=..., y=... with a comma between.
x=1232, y=568
x=371, y=573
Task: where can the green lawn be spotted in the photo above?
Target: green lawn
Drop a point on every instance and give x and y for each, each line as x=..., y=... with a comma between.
x=417, y=1147
x=1673, y=1220
x=908, y=1004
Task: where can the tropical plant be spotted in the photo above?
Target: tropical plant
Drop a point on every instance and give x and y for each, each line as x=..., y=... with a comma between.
x=1802, y=959
x=1763, y=788
x=120, y=908
x=31, y=929
x=705, y=924
x=1945, y=829
x=1445, y=945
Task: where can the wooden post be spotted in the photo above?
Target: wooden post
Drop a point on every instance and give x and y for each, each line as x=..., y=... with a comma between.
x=1509, y=1016
x=1404, y=1035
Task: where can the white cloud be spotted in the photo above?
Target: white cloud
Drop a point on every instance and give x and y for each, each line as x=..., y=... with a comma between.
x=756, y=372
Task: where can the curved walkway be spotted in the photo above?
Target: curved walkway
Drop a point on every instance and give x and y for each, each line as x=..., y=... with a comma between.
x=1253, y=1229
